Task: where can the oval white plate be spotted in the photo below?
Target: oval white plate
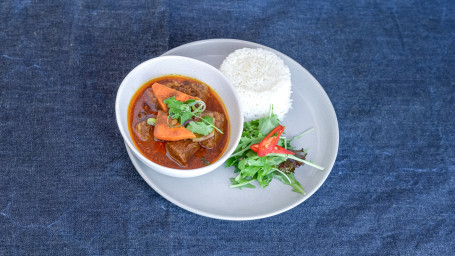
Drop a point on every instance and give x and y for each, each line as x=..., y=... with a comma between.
x=210, y=195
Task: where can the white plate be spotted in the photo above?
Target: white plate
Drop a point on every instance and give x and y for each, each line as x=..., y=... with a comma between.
x=210, y=195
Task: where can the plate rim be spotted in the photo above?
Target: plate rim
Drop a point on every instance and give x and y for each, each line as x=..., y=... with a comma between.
x=260, y=216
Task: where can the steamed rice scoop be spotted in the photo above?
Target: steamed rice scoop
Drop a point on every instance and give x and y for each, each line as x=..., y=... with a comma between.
x=261, y=79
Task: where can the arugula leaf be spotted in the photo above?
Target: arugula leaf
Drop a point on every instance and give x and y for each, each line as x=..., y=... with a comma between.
x=231, y=161
x=289, y=179
x=266, y=125
x=241, y=184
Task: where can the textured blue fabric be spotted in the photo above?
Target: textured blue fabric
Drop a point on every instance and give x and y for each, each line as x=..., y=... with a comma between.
x=67, y=185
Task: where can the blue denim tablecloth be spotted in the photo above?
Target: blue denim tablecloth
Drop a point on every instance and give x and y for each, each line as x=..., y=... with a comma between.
x=67, y=185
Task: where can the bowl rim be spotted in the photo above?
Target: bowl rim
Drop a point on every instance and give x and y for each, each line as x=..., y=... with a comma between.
x=181, y=173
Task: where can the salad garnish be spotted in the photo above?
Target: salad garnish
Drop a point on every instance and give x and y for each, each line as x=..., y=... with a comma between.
x=264, y=153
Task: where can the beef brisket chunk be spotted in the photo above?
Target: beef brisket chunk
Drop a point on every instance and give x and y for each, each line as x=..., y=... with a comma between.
x=218, y=120
x=150, y=100
x=180, y=151
x=142, y=130
x=194, y=89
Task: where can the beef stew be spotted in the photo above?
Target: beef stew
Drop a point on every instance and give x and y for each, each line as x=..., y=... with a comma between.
x=185, y=153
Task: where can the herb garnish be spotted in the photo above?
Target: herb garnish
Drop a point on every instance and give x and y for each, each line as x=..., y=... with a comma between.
x=151, y=121
x=205, y=161
x=184, y=111
x=201, y=127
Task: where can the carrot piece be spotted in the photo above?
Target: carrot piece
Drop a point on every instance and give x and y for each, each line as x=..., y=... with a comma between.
x=163, y=92
x=164, y=132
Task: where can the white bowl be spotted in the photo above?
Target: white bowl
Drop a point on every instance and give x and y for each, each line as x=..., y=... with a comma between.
x=176, y=65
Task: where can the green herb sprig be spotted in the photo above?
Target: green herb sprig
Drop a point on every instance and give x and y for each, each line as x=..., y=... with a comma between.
x=184, y=111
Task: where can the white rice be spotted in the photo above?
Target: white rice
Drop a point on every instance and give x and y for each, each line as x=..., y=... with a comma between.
x=261, y=79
